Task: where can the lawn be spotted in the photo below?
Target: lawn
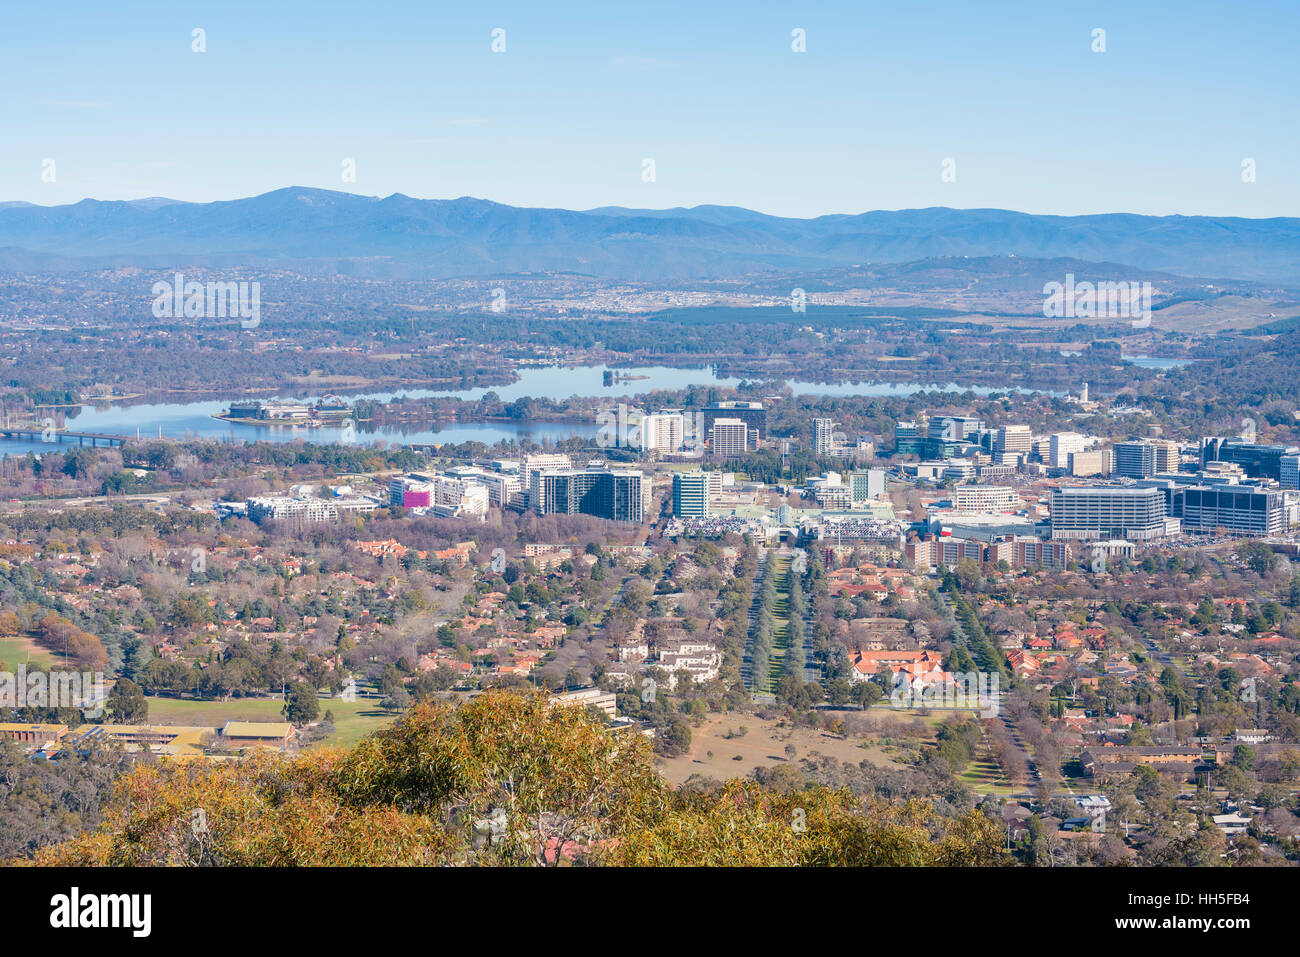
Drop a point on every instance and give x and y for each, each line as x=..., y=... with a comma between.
x=353, y=720
x=18, y=649
x=985, y=777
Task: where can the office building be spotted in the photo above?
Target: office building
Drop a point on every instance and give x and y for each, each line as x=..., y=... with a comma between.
x=504, y=488
x=1107, y=511
x=1289, y=471
x=1234, y=509
x=830, y=492
x=985, y=498
x=532, y=464
x=868, y=484
x=1060, y=446
x=1143, y=458
x=1091, y=462
x=691, y=494
x=620, y=495
x=911, y=438
x=729, y=438
x=956, y=428
x=907, y=439
x=1168, y=455
x=753, y=414
x=1258, y=461
x=409, y=491
x=1012, y=440
x=1134, y=459
x=458, y=497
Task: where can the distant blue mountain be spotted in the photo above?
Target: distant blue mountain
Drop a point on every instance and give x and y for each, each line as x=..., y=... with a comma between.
x=400, y=236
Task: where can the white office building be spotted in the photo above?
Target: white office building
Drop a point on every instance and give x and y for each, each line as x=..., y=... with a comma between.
x=987, y=499
x=730, y=438
x=1061, y=445
x=1134, y=513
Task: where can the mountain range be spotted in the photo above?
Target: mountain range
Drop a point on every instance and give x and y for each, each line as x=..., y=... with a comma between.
x=317, y=230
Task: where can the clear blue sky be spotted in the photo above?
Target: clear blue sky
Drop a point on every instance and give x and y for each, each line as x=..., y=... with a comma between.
x=1012, y=91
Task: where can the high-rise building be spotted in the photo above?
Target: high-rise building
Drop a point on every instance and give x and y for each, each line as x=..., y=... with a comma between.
x=1060, y=446
x=1142, y=458
x=1168, y=456
x=907, y=439
x=621, y=495
x=753, y=414
x=1135, y=459
x=1090, y=462
x=532, y=464
x=663, y=432
x=911, y=438
x=1289, y=471
x=1012, y=440
x=691, y=494
x=1237, y=509
x=823, y=436
x=868, y=484
x=1110, y=511
x=729, y=438
x=956, y=428
x=1258, y=461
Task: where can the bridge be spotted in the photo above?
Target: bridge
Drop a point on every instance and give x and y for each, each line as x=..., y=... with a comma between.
x=59, y=435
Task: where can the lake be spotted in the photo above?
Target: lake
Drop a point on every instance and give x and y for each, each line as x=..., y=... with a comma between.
x=1157, y=362
x=192, y=420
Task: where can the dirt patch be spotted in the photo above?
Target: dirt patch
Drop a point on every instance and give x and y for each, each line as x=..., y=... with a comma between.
x=762, y=745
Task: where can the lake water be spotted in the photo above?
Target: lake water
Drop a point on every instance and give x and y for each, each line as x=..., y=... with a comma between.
x=1157, y=362
x=191, y=420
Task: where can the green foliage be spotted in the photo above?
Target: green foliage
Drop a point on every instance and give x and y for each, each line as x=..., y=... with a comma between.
x=507, y=778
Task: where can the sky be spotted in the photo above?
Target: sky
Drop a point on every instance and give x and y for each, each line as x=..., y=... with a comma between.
x=1011, y=100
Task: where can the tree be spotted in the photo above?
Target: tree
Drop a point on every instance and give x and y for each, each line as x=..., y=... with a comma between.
x=676, y=738
x=301, y=705
x=866, y=693
x=509, y=778
x=126, y=703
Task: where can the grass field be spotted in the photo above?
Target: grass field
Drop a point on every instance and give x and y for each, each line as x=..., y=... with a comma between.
x=985, y=777
x=781, y=612
x=19, y=649
x=353, y=720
